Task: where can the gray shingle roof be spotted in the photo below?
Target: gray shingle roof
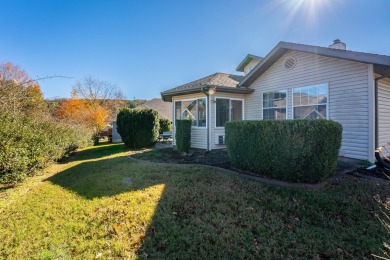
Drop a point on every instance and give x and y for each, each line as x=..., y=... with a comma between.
x=217, y=79
x=164, y=109
x=223, y=81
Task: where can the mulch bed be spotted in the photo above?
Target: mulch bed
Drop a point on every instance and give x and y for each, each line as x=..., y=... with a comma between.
x=219, y=158
x=377, y=172
x=215, y=158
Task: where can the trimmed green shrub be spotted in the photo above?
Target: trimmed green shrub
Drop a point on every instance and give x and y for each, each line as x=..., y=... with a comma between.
x=165, y=125
x=290, y=150
x=138, y=127
x=183, y=135
x=30, y=144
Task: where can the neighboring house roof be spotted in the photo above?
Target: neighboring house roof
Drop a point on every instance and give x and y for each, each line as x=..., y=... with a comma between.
x=381, y=62
x=245, y=62
x=164, y=109
x=223, y=82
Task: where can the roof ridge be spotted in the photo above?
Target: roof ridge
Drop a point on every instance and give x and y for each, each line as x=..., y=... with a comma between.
x=322, y=47
x=227, y=73
x=209, y=80
x=211, y=75
x=206, y=77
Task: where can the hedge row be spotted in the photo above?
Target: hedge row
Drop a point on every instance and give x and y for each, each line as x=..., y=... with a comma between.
x=29, y=144
x=165, y=125
x=138, y=127
x=290, y=150
x=183, y=135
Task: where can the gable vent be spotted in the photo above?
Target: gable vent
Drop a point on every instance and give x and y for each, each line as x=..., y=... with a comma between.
x=290, y=63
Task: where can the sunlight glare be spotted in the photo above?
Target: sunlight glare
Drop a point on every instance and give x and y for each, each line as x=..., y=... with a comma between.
x=312, y=7
x=309, y=10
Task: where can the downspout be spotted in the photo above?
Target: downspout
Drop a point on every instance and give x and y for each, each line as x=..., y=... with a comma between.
x=377, y=109
x=205, y=91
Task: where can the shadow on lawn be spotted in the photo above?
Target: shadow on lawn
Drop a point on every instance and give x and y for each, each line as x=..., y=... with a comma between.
x=104, y=177
x=194, y=201
x=206, y=214
x=96, y=152
x=93, y=179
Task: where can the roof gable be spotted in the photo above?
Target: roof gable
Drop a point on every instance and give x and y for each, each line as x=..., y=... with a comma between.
x=246, y=61
x=381, y=62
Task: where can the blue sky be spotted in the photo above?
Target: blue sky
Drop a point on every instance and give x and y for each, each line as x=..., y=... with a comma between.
x=146, y=47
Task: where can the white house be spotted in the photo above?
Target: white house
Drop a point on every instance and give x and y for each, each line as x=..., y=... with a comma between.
x=116, y=137
x=294, y=81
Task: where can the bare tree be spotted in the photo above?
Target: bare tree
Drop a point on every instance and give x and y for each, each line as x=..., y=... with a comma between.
x=94, y=89
x=100, y=92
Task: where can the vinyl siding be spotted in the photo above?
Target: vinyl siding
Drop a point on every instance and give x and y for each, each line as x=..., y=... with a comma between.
x=384, y=111
x=198, y=134
x=348, y=94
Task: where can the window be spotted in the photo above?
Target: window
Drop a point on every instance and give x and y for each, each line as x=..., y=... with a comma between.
x=177, y=110
x=194, y=110
x=189, y=111
x=236, y=110
x=274, y=105
x=202, y=112
x=222, y=112
x=310, y=102
x=226, y=110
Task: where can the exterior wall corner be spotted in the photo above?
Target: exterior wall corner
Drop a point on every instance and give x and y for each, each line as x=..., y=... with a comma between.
x=371, y=113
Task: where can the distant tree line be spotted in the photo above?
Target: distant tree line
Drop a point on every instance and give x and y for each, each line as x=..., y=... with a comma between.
x=54, y=103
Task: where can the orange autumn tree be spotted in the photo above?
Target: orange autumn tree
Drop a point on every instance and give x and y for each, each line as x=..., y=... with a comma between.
x=96, y=117
x=19, y=94
x=71, y=110
x=80, y=111
x=104, y=93
x=94, y=103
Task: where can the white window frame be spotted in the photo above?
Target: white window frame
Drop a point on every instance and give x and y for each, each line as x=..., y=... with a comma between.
x=262, y=103
x=314, y=85
x=230, y=107
x=190, y=99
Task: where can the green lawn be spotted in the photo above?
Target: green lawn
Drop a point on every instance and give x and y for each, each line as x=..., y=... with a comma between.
x=102, y=204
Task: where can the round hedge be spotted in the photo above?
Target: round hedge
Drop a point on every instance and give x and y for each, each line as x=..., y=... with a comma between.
x=138, y=128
